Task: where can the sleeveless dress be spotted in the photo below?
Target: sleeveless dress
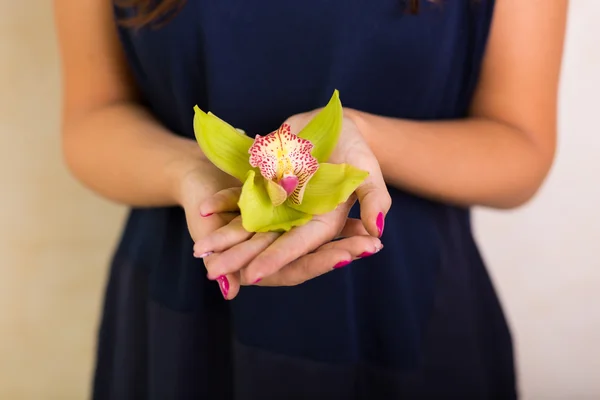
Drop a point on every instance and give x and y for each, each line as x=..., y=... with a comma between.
x=419, y=320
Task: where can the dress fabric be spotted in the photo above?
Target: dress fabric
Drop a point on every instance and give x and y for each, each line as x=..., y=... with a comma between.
x=419, y=320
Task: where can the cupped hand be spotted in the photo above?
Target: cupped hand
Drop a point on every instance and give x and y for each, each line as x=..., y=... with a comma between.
x=195, y=186
x=235, y=248
x=305, y=251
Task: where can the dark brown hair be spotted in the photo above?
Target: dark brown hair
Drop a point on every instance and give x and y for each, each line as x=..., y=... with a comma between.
x=158, y=12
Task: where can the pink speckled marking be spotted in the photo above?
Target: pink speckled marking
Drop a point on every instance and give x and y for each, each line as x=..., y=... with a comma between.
x=282, y=154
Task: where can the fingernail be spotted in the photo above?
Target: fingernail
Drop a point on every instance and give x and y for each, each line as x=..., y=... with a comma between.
x=380, y=223
x=256, y=281
x=206, y=215
x=368, y=253
x=223, y=285
x=208, y=253
x=342, y=264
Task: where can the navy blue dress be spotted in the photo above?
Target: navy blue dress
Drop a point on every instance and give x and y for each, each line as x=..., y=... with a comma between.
x=420, y=320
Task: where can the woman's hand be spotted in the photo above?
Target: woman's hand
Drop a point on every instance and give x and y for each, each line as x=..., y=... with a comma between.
x=274, y=259
x=236, y=247
x=195, y=186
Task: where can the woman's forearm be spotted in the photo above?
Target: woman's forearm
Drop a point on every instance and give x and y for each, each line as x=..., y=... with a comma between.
x=501, y=155
x=122, y=153
x=464, y=162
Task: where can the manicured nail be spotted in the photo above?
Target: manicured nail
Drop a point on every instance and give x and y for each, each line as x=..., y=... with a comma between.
x=208, y=253
x=380, y=223
x=256, y=281
x=223, y=285
x=369, y=253
x=206, y=215
x=342, y=264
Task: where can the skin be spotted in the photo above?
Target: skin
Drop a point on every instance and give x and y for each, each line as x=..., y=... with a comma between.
x=119, y=150
x=501, y=155
x=275, y=259
x=497, y=157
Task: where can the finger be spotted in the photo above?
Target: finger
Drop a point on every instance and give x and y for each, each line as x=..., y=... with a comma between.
x=223, y=201
x=364, y=245
x=234, y=285
x=239, y=256
x=353, y=227
x=200, y=227
x=221, y=239
x=375, y=202
x=291, y=245
x=328, y=257
x=229, y=285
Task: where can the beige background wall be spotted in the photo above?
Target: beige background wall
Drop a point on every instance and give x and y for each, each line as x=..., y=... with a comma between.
x=56, y=238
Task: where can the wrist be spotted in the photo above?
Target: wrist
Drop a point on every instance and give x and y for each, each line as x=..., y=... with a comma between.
x=186, y=160
x=361, y=121
x=195, y=178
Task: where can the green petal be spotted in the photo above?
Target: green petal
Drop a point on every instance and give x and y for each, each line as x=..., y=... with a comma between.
x=222, y=144
x=324, y=129
x=259, y=214
x=329, y=187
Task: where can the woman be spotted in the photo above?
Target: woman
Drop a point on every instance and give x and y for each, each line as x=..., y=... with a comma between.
x=451, y=103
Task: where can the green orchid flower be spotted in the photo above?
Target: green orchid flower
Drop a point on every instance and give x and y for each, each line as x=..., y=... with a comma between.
x=286, y=177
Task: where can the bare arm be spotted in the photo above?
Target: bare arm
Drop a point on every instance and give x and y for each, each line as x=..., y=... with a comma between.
x=112, y=144
x=501, y=154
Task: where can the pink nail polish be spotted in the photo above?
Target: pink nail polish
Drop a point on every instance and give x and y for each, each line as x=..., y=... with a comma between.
x=223, y=285
x=368, y=253
x=206, y=215
x=380, y=223
x=342, y=264
x=256, y=281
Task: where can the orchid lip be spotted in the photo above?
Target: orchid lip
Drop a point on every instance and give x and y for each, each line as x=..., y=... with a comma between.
x=289, y=183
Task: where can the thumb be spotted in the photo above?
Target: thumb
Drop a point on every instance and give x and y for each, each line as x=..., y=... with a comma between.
x=375, y=202
x=223, y=201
